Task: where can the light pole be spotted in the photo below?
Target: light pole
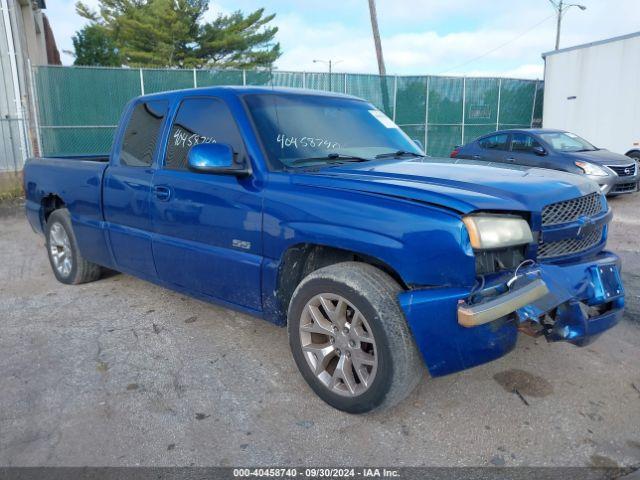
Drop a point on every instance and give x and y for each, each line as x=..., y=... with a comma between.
x=560, y=9
x=329, y=62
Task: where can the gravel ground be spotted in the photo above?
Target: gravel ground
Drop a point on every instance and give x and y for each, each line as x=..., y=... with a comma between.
x=122, y=372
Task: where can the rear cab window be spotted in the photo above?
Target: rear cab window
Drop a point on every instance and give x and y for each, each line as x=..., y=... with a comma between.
x=495, y=142
x=142, y=132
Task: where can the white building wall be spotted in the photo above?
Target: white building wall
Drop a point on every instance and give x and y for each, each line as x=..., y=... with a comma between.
x=594, y=91
x=21, y=37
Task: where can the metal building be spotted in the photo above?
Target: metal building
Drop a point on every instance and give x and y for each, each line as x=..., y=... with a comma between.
x=25, y=39
x=593, y=90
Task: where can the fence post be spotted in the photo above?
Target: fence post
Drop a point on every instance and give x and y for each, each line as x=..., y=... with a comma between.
x=304, y=79
x=34, y=107
x=464, y=101
x=533, y=107
x=426, y=116
x=244, y=77
x=141, y=83
x=498, y=109
x=395, y=96
x=345, y=83
x=195, y=79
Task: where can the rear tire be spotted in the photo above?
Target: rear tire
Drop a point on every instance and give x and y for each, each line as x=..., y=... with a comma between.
x=350, y=340
x=68, y=265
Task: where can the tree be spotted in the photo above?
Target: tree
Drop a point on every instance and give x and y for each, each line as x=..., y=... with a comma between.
x=94, y=46
x=170, y=33
x=239, y=41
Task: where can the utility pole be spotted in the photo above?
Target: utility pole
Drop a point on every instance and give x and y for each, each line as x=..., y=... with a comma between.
x=560, y=8
x=376, y=37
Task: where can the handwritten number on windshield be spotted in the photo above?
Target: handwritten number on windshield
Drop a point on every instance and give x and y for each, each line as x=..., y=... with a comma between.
x=305, y=142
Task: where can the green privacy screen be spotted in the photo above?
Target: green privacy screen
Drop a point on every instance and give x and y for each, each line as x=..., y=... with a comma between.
x=79, y=107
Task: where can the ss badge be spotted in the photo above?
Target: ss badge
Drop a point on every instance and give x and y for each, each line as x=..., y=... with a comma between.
x=243, y=244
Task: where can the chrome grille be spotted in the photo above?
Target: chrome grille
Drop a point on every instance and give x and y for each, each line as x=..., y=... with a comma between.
x=570, y=210
x=624, y=170
x=568, y=246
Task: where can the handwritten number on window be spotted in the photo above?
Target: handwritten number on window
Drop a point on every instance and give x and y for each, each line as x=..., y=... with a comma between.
x=305, y=142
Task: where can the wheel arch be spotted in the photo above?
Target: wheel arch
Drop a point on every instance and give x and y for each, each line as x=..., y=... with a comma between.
x=301, y=259
x=633, y=153
x=48, y=204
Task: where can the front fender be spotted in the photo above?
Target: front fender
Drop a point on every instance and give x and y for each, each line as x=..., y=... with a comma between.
x=424, y=245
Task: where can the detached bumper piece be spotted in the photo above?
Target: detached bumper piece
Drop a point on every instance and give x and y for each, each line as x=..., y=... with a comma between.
x=457, y=328
x=556, y=312
x=473, y=315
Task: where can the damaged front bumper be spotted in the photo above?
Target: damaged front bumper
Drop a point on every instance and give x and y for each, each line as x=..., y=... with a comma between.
x=458, y=328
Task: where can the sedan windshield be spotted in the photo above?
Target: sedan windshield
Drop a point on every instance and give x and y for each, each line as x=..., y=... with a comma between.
x=567, y=142
x=311, y=130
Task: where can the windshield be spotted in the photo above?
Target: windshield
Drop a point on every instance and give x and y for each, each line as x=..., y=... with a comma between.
x=311, y=130
x=567, y=142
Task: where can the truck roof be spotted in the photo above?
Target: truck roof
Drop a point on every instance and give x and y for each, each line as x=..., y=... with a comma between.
x=243, y=90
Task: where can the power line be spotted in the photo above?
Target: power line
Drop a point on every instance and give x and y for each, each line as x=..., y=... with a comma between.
x=498, y=47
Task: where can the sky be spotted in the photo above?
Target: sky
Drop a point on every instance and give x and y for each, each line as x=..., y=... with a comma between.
x=452, y=37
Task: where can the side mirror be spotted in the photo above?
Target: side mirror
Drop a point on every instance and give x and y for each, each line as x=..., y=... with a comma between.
x=539, y=150
x=214, y=158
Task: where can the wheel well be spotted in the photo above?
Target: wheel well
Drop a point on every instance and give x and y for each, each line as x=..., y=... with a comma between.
x=300, y=260
x=634, y=151
x=50, y=203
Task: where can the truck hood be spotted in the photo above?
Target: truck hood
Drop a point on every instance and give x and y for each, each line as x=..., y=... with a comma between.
x=461, y=185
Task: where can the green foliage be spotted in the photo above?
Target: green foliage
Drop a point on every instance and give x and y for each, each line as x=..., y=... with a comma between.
x=239, y=41
x=94, y=46
x=171, y=33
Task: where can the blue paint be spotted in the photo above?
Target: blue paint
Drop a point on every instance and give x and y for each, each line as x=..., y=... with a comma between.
x=222, y=237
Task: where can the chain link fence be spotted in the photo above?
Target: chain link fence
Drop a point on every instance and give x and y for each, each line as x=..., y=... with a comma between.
x=79, y=107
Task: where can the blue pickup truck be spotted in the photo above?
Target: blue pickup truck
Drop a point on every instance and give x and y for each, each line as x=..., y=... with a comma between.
x=315, y=211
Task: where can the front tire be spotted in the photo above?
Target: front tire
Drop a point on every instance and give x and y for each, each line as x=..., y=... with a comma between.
x=68, y=265
x=350, y=340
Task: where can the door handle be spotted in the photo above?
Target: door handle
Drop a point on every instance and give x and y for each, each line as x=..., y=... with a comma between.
x=511, y=159
x=476, y=157
x=162, y=193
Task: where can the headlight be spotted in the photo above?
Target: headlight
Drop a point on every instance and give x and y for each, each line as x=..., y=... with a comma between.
x=488, y=231
x=591, y=169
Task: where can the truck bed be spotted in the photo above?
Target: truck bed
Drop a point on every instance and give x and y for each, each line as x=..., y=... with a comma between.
x=77, y=180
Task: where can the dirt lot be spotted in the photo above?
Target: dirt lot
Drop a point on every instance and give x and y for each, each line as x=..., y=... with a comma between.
x=122, y=372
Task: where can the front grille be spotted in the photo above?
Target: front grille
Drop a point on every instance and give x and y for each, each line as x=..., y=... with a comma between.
x=624, y=187
x=624, y=170
x=570, y=210
x=568, y=246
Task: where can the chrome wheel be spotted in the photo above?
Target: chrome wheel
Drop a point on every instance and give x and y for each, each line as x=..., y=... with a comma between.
x=60, y=249
x=338, y=345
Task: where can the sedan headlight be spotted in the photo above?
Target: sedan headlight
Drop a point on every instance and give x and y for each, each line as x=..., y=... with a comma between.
x=591, y=169
x=487, y=231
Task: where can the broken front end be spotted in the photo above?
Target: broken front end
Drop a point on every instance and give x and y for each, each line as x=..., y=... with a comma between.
x=557, y=282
